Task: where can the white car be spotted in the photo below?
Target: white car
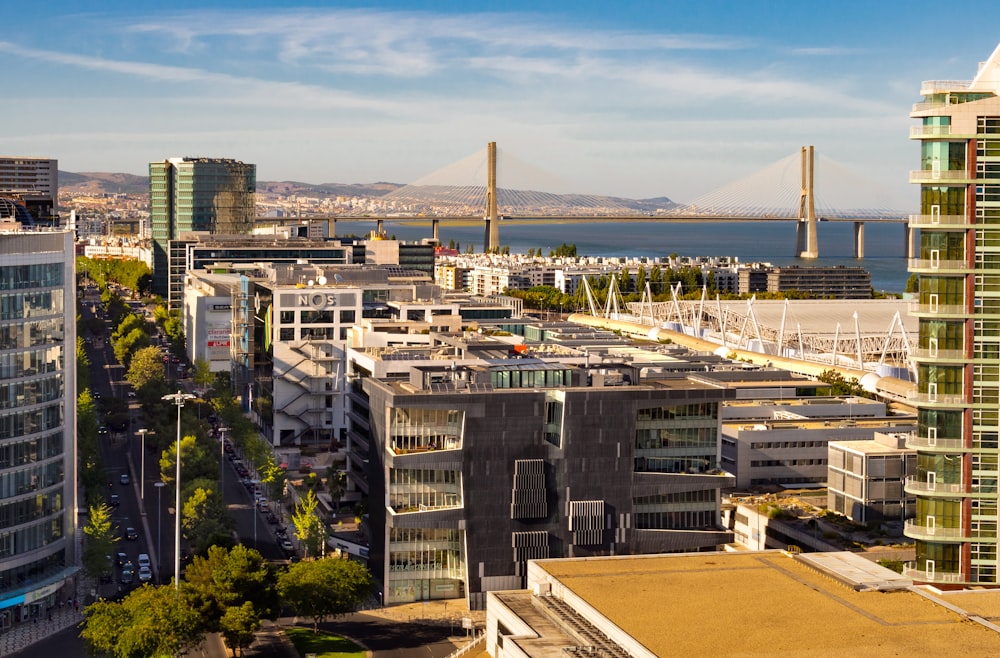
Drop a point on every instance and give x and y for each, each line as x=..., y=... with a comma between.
x=143, y=560
x=145, y=574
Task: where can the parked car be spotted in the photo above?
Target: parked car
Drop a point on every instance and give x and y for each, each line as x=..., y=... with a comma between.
x=131, y=534
x=272, y=519
x=287, y=546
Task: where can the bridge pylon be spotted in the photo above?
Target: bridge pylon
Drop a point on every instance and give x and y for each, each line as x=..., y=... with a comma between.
x=492, y=238
x=806, y=240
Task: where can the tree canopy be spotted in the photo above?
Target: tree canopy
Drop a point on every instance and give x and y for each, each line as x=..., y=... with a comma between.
x=323, y=588
x=150, y=621
x=309, y=528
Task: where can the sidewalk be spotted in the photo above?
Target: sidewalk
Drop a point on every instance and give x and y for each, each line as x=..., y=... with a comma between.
x=26, y=634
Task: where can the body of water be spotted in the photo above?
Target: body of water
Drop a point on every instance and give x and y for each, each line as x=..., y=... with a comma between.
x=756, y=241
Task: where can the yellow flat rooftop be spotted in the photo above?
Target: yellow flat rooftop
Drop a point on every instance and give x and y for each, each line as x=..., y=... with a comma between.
x=769, y=603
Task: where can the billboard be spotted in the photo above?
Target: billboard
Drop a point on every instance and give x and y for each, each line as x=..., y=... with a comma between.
x=217, y=346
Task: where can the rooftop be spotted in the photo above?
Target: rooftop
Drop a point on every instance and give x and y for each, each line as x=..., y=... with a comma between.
x=658, y=600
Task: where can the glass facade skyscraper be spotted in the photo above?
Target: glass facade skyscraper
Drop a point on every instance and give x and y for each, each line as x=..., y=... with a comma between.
x=37, y=420
x=213, y=195
x=958, y=355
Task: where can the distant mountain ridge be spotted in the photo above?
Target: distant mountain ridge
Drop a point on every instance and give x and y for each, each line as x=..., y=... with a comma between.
x=96, y=182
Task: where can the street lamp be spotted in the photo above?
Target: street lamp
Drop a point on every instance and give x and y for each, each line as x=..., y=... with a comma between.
x=178, y=398
x=142, y=460
x=222, y=460
x=159, y=526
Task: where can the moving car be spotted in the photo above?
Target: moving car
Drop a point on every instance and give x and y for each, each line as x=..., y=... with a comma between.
x=145, y=575
x=126, y=577
x=113, y=499
x=124, y=477
x=131, y=534
x=144, y=557
x=122, y=558
x=287, y=546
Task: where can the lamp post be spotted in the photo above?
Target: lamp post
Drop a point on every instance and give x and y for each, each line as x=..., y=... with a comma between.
x=178, y=398
x=222, y=460
x=159, y=526
x=142, y=432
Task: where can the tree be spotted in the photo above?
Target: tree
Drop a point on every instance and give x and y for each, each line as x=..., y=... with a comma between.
x=225, y=578
x=196, y=461
x=309, y=528
x=146, y=368
x=321, y=588
x=150, y=621
x=238, y=626
x=206, y=520
x=912, y=283
x=201, y=373
x=840, y=385
x=100, y=544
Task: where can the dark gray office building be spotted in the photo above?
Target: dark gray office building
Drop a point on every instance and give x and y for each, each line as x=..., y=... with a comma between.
x=482, y=468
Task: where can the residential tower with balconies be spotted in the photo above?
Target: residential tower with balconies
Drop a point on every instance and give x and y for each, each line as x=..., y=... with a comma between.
x=958, y=307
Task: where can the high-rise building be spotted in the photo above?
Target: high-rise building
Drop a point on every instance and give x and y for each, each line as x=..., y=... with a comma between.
x=33, y=182
x=958, y=356
x=210, y=195
x=37, y=420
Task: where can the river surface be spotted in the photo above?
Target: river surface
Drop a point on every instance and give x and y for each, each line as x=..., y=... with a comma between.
x=748, y=241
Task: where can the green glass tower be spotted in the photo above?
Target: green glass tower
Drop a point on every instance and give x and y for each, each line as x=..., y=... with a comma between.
x=213, y=195
x=958, y=355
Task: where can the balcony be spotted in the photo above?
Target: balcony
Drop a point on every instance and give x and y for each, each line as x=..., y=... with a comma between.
x=934, y=533
x=915, y=442
x=940, y=310
x=431, y=445
x=934, y=221
x=938, y=266
x=920, y=132
x=932, y=576
x=932, y=399
x=941, y=175
x=943, y=489
x=924, y=354
x=929, y=87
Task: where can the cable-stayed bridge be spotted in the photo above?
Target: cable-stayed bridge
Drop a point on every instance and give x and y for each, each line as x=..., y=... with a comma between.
x=486, y=186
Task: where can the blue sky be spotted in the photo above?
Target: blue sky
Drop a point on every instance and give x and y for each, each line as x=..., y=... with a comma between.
x=625, y=98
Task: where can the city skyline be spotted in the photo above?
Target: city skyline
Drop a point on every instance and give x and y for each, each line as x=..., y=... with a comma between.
x=637, y=100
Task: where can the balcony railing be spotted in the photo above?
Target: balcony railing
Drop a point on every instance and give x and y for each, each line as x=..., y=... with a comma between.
x=936, y=220
x=932, y=105
x=941, y=355
x=939, y=265
x=938, y=309
x=916, y=442
x=929, y=131
x=913, y=485
x=936, y=398
x=940, y=86
x=933, y=533
x=932, y=576
x=940, y=174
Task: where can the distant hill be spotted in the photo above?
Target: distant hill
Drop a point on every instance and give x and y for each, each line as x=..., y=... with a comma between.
x=326, y=189
x=96, y=182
